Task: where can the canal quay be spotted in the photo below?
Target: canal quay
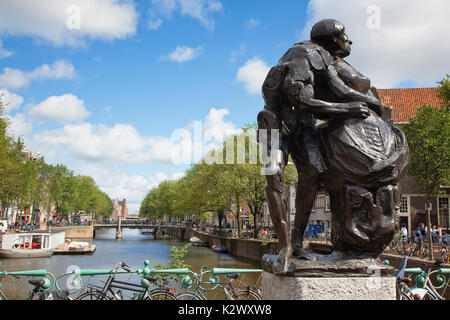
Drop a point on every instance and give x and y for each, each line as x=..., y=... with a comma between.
x=133, y=248
x=135, y=245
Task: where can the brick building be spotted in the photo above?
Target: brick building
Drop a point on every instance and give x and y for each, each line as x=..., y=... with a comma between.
x=412, y=209
x=120, y=209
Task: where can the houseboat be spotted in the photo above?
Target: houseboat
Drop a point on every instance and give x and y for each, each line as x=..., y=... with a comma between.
x=35, y=244
x=147, y=231
x=75, y=247
x=196, y=242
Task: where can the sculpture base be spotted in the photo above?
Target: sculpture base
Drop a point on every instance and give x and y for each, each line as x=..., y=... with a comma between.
x=329, y=279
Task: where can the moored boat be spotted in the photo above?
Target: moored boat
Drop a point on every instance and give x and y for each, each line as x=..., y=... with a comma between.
x=75, y=247
x=35, y=244
x=219, y=248
x=25, y=253
x=147, y=231
x=196, y=242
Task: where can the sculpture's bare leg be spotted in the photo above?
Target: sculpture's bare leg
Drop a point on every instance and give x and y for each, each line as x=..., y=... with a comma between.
x=307, y=187
x=280, y=219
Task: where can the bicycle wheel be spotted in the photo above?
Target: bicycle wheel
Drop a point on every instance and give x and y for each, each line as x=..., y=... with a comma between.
x=188, y=296
x=93, y=295
x=404, y=296
x=159, y=294
x=421, y=294
x=246, y=294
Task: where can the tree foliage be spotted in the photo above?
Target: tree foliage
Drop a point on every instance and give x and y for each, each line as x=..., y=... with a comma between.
x=31, y=181
x=428, y=135
x=428, y=138
x=217, y=187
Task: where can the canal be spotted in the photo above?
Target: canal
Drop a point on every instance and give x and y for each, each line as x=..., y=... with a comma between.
x=133, y=249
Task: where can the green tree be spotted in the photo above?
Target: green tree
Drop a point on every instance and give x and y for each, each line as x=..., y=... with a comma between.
x=61, y=189
x=444, y=91
x=13, y=170
x=176, y=261
x=428, y=138
x=159, y=201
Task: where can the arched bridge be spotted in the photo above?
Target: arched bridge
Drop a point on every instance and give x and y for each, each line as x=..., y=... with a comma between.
x=177, y=230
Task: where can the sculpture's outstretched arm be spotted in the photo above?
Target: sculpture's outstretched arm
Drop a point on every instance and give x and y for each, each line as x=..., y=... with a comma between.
x=343, y=91
x=301, y=96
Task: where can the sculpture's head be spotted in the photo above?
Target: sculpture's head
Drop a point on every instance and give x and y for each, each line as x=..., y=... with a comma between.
x=331, y=35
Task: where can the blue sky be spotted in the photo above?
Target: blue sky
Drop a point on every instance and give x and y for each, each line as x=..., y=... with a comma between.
x=105, y=97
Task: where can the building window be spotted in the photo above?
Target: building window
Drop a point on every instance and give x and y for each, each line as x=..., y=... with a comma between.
x=320, y=202
x=327, y=203
x=444, y=213
x=404, y=204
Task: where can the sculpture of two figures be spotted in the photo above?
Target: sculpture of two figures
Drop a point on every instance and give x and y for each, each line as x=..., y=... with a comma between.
x=355, y=153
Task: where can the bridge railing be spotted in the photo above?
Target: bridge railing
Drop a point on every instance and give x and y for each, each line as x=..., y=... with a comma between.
x=137, y=223
x=68, y=223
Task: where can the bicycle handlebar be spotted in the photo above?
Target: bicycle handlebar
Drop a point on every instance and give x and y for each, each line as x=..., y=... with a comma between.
x=46, y=285
x=414, y=270
x=444, y=270
x=26, y=273
x=232, y=270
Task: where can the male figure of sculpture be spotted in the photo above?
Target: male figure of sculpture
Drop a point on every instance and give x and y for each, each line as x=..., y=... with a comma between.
x=312, y=81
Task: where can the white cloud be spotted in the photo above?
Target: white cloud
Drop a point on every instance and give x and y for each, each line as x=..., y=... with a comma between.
x=408, y=45
x=16, y=79
x=154, y=24
x=237, y=53
x=252, y=23
x=66, y=108
x=252, y=74
x=98, y=143
x=19, y=125
x=183, y=53
x=4, y=53
x=178, y=175
x=10, y=101
x=117, y=184
x=92, y=148
x=201, y=10
x=94, y=143
x=68, y=22
x=134, y=187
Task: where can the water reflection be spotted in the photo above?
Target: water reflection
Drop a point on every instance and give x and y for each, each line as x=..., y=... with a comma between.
x=133, y=249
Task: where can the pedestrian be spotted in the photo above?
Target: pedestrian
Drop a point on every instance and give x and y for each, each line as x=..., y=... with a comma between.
x=404, y=232
x=446, y=238
x=439, y=233
x=421, y=231
x=434, y=235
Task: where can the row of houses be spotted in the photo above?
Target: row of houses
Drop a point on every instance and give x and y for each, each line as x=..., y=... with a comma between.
x=39, y=215
x=412, y=207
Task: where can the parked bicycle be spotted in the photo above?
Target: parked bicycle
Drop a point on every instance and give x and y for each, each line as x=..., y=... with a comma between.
x=246, y=292
x=429, y=285
x=444, y=252
x=39, y=281
x=114, y=289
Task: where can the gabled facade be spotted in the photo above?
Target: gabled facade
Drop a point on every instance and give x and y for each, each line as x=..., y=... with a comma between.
x=120, y=209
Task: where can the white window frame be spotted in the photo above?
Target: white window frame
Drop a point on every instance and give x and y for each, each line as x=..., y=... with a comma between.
x=442, y=223
x=402, y=205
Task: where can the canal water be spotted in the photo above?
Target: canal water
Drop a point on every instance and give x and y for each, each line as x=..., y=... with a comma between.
x=132, y=249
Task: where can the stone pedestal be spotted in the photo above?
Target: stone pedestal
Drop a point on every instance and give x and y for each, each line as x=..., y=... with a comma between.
x=329, y=279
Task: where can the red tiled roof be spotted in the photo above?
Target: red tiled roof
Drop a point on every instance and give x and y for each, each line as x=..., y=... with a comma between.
x=405, y=101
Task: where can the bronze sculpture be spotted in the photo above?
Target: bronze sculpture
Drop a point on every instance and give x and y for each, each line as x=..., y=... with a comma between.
x=355, y=153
